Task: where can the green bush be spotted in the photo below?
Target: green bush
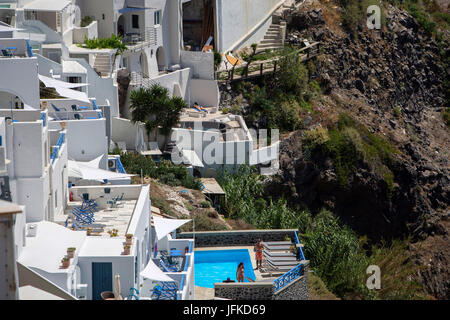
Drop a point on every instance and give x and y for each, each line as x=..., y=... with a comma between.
x=348, y=143
x=86, y=21
x=114, y=42
x=205, y=204
x=166, y=171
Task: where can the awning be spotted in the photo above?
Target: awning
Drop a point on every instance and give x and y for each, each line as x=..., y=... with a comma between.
x=86, y=171
x=131, y=9
x=191, y=157
x=152, y=272
x=53, y=83
x=63, y=88
x=47, y=5
x=165, y=226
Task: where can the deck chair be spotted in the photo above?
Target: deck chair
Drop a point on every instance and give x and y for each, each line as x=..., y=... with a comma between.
x=165, y=291
x=167, y=268
x=58, y=109
x=232, y=60
x=83, y=218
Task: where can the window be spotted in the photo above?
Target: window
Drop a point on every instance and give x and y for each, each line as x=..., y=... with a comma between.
x=103, y=16
x=157, y=17
x=74, y=80
x=135, y=21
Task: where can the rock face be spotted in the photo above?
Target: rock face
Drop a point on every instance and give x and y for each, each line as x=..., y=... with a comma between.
x=390, y=80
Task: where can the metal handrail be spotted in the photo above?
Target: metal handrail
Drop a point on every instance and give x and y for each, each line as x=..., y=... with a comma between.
x=43, y=118
x=57, y=147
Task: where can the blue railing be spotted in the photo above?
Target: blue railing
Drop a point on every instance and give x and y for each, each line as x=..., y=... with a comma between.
x=120, y=166
x=186, y=264
x=58, y=146
x=43, y=118
x=190, y=246
x=29, y=49
x=302, y=256
x=288, y=277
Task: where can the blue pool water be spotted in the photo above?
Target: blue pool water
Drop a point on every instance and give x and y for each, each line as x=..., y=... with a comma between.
x=216, y=266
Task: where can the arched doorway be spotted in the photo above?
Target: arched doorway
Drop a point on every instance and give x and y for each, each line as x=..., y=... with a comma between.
x=161, y=59
x=121, y=26
x=143, y=61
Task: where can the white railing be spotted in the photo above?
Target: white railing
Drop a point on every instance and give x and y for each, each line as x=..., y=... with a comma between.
x=139, y=80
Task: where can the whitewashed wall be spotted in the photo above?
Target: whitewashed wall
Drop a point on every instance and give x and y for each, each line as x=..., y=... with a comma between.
x=239, y=21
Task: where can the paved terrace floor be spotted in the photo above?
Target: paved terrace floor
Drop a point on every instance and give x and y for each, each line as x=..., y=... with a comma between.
x=108, y=218
x=208, y=293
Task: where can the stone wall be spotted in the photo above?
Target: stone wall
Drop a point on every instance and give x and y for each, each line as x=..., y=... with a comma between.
x=297, y=290
x=236, y=238
x=244, y=291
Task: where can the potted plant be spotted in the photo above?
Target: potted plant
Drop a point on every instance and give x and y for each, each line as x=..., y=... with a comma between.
x=129, y=239
x=65, y=262
x=89, y=231
x=126, y=249
x=71, y=252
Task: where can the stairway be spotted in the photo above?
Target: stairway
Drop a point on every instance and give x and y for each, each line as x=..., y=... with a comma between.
x=102, y=64
x=272, y=40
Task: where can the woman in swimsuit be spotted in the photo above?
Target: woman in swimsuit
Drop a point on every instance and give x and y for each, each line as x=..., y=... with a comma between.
x=240, y=272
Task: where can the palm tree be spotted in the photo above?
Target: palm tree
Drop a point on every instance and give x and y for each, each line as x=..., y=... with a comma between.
x=154, y=107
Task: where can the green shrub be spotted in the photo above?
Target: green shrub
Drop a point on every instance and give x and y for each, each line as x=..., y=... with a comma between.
x=114, y=42
x=446, y=116
x=205, y=204
x=165, y=171
x=86, y=21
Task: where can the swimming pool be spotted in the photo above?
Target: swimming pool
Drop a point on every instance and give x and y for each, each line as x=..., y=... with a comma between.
x=218, y=265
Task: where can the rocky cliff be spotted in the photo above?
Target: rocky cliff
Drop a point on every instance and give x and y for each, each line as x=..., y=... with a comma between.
x=391, y=81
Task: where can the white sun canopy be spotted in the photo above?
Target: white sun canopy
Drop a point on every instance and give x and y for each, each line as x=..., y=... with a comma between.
x=64, y=89
x=53, y=83
x=152, y=272
x=165, y=226
x=88, y=171
x=191, y=157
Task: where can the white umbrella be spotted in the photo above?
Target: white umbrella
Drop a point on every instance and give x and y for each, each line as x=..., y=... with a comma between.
x=165, y=226
x=152, y=272
x=117, y=287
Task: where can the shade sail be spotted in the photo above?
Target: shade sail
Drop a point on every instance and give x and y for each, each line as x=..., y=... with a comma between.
x=64, y=88
x=152, y=272
x=86, y=171
x=46, y=5
x=165, y=226
x=191, y=157
x=53, y=83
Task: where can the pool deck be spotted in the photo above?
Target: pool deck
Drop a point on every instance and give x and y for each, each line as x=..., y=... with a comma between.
x=208, y=293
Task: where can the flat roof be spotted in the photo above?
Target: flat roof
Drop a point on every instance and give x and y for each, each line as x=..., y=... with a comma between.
x=46, y=5
x=73, y=67
x=45, y=250
x=7, y=208
x=102, y=247
x=211, y=186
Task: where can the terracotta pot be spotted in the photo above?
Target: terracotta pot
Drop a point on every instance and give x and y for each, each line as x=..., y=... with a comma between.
x=70, y=254
x=126, y=251
x=65, y=264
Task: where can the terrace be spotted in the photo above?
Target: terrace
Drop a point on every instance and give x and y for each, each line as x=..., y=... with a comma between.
x=118, y=210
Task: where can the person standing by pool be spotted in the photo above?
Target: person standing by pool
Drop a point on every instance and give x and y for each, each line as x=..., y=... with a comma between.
x=258, y=254
x=240, y=272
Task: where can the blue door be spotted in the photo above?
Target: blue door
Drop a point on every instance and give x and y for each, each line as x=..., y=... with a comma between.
x=102, y=279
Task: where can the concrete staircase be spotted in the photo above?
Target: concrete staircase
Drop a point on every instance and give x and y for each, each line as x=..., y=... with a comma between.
x=102, y=64
x=273, y=40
